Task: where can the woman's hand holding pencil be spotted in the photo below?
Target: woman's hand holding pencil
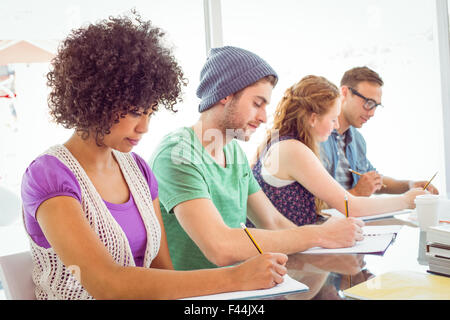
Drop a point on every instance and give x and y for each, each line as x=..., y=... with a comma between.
x=268, y=268
x=351, y=232
x=262, y=271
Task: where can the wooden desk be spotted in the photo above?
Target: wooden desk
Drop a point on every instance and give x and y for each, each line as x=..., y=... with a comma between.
x=327, y=275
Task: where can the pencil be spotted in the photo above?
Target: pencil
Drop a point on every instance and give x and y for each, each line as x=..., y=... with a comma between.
x=355, y=172
x=360, y=174
x=251, y=238
x=346, y=205
x=426, y=186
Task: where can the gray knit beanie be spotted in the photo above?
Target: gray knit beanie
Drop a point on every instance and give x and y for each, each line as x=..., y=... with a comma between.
x=228, y=70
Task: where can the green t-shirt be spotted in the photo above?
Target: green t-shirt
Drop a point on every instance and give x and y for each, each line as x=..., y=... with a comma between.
x=185, y=171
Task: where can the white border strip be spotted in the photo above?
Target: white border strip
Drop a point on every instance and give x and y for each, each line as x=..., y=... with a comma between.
x=443, y=37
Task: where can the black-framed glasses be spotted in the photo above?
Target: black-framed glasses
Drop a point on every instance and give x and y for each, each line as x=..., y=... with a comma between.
x=369, y=103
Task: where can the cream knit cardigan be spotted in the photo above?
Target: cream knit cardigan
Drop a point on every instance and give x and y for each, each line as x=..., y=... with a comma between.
x=56, y=281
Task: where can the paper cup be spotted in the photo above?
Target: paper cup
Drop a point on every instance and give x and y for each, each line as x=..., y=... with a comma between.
x=444, y=209
x=427, y=208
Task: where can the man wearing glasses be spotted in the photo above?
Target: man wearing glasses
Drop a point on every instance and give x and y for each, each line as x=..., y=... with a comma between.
x=344, y=153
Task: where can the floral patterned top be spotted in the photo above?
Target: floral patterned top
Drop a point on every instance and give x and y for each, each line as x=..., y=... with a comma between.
x=294, y=201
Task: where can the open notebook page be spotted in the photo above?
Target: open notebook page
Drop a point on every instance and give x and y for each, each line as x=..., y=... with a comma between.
x=376, y=239
x=289, y=285
x=336, y=213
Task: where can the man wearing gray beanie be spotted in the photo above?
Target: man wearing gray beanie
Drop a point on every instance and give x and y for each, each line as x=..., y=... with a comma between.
x=228, y=70
x=206, y=186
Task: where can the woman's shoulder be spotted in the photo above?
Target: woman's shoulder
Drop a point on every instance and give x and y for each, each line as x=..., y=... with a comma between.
x=44, y=178
x=290, y=154
x=47, y=163
x=292, y=147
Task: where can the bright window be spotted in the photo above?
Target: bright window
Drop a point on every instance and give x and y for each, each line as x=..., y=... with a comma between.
x=327, y=37
x=29, y=133
x=25, y=129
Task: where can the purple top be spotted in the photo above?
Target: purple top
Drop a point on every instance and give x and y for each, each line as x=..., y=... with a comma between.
x=48, y=177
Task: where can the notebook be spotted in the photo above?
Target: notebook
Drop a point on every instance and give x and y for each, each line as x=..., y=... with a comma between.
x=402, y=285
x=289, y=285
x=376, y=239
x=336, y=213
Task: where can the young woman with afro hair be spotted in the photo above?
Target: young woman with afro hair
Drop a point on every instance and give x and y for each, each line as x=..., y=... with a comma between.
x=90, y=205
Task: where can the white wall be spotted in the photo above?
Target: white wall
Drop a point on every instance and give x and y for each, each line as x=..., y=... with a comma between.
x=32, y=133
x=327, y=37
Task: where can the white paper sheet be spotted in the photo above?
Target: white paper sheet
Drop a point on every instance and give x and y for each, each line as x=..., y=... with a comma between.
x=289, y=285
x=376, y=239
x=336, y=213
x=377, y=230
x=370, y=244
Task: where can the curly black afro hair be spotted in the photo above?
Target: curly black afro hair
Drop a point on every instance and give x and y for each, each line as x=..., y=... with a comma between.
x=105, y=70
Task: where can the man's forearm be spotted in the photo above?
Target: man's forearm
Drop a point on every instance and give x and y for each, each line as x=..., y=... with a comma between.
x=289, y=241
x=394, y=186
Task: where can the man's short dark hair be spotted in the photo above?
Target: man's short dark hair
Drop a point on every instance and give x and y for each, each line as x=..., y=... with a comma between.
x=354, y=76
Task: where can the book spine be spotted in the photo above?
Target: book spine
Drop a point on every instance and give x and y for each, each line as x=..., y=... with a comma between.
x=440, y=270
x=441, y=261
x=432, y=250
x=437, y=238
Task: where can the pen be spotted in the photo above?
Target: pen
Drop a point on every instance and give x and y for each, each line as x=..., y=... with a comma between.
x=251, y=238
x=426, y=186
x=360, y=174
x=346, y=205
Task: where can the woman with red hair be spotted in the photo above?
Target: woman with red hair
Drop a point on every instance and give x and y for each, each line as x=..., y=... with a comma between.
x=288, y=166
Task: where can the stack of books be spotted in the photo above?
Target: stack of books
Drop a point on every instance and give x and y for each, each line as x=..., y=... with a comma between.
x=438, y=249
